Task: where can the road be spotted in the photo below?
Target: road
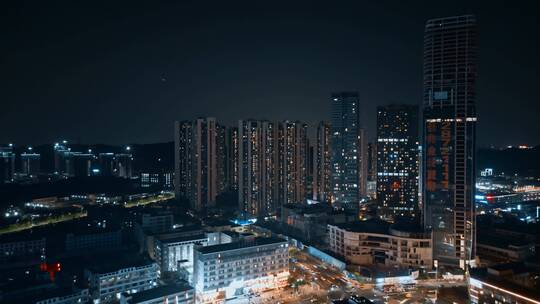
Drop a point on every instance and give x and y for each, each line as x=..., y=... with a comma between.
x=316, y=282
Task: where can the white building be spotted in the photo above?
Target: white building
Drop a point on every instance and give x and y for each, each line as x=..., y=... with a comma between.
x=234, y=269
x=177, y=252
x=377, y=242
x=109, y=279
x=177, y=294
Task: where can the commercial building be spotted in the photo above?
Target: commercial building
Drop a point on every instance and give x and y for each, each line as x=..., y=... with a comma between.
x=111, y=277
x=235, y=269
x=504, y=283
x=174, y=253
x=397, y=161
x=349, y=168
x=376, y=242
x=323, y=163
x=174, y=293
x=449, y=126
x=309, y=222
x=199, y=175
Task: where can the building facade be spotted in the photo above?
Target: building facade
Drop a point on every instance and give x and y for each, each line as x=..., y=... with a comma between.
x=30, y=164
x=397, y=161
x=174, y=253
x=199, y=173
x=375, y=242
x=449, y=130
x=233, y=155
x=174, y=293
x=257, y=176
x=323, y=163
x=348, y=177
x=229, y=270
x=7, y=164
x=106, y=284
x=292, y=162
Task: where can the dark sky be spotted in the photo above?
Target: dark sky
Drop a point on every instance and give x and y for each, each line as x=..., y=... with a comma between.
x=122, y=72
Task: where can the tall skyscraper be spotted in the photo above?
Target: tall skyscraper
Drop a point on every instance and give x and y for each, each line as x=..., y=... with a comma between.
x=346, y=149
x=221, y=161
x=292, y=162
x=323, y=164
x=196, y=162
x=257, y=176
x=232, y=157
x=449, y=121
x=371, y=185
x=397, y=161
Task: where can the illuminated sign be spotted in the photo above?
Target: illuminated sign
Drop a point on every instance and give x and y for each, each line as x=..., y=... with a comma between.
x=438, y=148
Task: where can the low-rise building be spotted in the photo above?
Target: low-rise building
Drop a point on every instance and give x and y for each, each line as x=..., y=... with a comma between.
x=94, y=240
x=504, y=283
x=174, y=293
x=498, y=247
x=173, y=253
x=238, y=268
x=64, y=296
x=23, y=249
x=109, y=278
x=308, y=222
x=375, y=241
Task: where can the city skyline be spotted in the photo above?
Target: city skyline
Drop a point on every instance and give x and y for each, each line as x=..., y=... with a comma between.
x=315, y=67
x=257, y=191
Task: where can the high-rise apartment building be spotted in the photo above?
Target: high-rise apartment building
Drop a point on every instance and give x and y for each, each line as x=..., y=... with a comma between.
x=233, y=146
x=323, y=163
x=257, y=167
x=449, y=121
x=30, y=164
x=397, y=161
x=348, y=180
x=197, y=156
x=272, y=165
x=7, y=164
x=292, y=162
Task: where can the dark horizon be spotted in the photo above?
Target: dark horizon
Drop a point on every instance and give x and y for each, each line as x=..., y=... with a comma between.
x=118, y=74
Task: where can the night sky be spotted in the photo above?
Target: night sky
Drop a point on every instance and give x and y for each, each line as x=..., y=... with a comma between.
x=122, y=72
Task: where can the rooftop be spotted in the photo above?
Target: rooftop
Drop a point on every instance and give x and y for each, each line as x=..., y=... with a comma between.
x=505, y=281
x=159, y=292
x=114, y=262
x=369, y=226
x=258, y=241
x=182, y=238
